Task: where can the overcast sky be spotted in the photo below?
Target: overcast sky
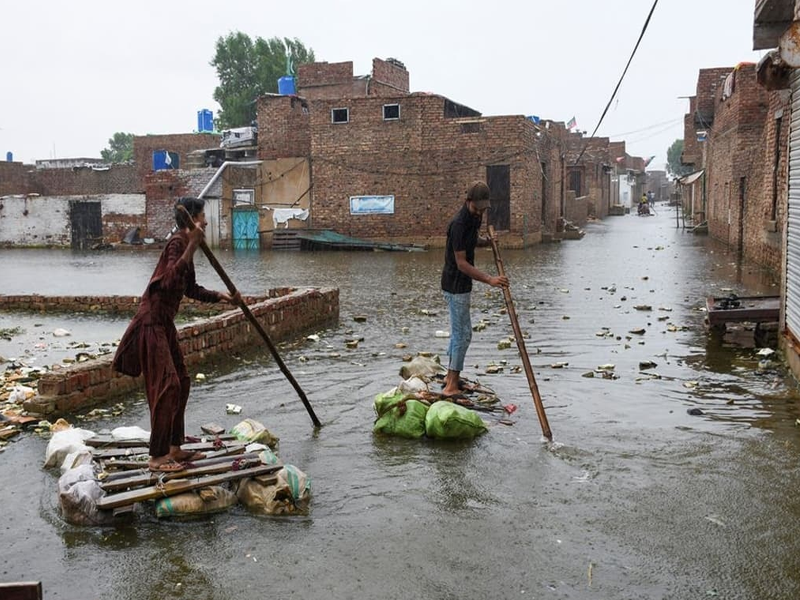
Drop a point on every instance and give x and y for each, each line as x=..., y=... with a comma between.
x=75, y=72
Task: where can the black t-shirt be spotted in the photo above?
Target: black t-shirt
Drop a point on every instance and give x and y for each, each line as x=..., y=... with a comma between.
x=462, y=234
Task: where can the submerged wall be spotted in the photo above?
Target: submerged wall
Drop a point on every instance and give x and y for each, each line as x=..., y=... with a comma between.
x=283, y=317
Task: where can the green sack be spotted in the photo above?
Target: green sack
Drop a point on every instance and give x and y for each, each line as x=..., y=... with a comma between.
x=404, y=418
x=385, y=401
x=446, y=420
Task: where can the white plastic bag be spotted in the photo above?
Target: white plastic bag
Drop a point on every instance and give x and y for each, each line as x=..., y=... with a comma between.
x=76, y=459
x=412, y=385
x=130, y=433
x=78, y=493
x=66, y=442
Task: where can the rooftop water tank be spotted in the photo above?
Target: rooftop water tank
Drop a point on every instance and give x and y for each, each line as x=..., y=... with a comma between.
x=205, y=120
x=9, y=157
x=286, y=86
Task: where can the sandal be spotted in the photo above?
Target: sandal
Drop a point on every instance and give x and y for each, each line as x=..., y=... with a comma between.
x=187, y=456
x=171, y=466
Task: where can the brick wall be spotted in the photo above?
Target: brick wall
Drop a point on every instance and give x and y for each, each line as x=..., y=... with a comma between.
x=735, y=164
x=284, y=317
x=283, y=127
x=163, y=188
x=426, y=161
x=14, y=178
x=114, y=304
x=594, y=156
x=388, y=78
x=328, y=81
x=182, y=143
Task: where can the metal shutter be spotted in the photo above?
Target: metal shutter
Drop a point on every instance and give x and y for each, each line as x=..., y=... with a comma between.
x=793, y=217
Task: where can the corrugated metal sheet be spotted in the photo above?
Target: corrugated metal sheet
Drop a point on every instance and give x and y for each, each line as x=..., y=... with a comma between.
x=793, y=217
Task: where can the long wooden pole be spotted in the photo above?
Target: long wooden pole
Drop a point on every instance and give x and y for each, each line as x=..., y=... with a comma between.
x=253, y=321
x=523, y=353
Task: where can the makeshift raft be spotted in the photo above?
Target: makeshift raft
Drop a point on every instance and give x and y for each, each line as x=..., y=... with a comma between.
x=415, y=408
x=740, y=309
x=105, y=478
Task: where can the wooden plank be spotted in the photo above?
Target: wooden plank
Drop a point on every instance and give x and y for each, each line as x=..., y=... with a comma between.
x=135, y=451
x=231, y=449
x=26, y=590
x=179, y=486
x=213, y=429
x=147, y=477
x=755, y=309
x=107, y=441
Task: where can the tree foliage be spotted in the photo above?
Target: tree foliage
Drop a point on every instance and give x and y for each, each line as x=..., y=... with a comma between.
x=120, y=148
x=249, y=68
x=674, y=166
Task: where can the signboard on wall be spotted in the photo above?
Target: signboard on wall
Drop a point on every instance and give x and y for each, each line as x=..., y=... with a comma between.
x=371, y=205
x=244, y=197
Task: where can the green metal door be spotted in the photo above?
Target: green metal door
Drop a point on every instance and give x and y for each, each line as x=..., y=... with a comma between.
x=245, y=229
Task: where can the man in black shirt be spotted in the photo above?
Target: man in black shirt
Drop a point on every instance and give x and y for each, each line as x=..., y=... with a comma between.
x=457, y=275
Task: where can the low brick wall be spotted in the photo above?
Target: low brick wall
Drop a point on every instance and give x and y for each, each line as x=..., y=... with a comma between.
x=284, y=317
x=116, y=304
x=577, y=211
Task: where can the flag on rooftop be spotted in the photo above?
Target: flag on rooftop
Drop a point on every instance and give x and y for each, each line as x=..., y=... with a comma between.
x=572, y=123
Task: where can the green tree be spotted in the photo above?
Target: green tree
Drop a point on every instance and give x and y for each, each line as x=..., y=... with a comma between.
x=120, y=148
x=674, y=166
x=249, y=68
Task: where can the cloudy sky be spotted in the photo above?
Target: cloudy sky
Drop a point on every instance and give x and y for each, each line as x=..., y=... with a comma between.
x=75, y=72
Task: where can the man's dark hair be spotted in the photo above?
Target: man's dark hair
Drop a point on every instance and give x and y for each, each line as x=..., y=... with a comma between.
x=194, y=206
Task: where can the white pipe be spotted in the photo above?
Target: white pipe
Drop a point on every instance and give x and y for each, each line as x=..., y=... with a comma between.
x=244, y=163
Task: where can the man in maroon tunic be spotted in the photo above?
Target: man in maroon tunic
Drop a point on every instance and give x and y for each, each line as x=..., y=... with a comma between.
x=150, y=344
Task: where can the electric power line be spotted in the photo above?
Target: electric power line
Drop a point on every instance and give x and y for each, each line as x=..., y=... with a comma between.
x=619, y=83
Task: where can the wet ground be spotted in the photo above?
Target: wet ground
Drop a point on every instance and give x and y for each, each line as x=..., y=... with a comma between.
x=636, y=498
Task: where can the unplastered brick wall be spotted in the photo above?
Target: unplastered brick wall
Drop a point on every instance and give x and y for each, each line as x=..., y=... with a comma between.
x=734, y=160
x=327, y=81
x=113, y=304
x=117, y=179
x=182, y=143
x=14, y=178
x=284, y=318
x=425, y=161
x=283, y=127
x=388, y=78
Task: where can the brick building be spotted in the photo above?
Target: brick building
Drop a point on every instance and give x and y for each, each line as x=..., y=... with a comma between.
x=736, y=134
x=590, y=176
x=369, y=137
x=182, y=144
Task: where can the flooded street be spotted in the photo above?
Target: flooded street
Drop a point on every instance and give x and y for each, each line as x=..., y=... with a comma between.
x=635, y=499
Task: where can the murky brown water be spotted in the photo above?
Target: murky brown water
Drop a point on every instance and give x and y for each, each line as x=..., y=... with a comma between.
x=636, y=499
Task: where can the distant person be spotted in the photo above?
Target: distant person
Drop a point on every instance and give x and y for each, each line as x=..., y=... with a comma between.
x=457, y=275
x=150, y=344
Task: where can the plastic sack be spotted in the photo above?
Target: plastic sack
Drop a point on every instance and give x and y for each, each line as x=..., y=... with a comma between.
x=268, y=457
x=422, y=366
x=191, y=503
x=385, y=401
x=130, y=433
x=66, y=442
x=446, y=420
x=20, y=393
x=289, y=495
x=76, y=459
x=400, y=416
x=78, y=493
x=251, y=430
x=412, y=385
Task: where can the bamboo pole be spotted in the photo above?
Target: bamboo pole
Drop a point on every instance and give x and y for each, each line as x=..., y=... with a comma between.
x=253, y=321
x=523, y=353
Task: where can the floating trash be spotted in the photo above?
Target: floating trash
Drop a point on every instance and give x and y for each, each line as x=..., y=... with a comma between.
x=504, y=344
x=61, y=332
x=606, y=367
x=233, y=409
x=559, y=365
x=200, y=377
x=647, y=364
x=638, y=331
x=360, y=318
x=643, y=307
x=442, y=334
x=313, y=338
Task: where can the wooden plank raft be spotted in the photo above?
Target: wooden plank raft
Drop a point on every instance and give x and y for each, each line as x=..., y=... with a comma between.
x=179, y=486
x=132, y=463
x=138, y=450
x=736, y=309
x=147, y=477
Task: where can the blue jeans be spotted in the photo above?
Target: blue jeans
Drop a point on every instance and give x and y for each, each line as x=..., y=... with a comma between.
x=460, y=329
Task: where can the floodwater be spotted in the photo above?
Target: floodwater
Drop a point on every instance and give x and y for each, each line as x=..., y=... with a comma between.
x=635, y=499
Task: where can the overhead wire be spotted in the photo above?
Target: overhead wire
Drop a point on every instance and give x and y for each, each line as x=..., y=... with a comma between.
x=619, y=83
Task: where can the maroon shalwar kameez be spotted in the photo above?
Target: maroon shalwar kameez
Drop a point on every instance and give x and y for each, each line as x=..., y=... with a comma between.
x=150, y=344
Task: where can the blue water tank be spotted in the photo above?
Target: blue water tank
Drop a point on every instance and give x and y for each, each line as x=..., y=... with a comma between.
x=9, y=157
x=163, y=160
x=286, y=86
x=205, y=120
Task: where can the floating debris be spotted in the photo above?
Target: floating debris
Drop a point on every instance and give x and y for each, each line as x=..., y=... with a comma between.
x=559, y=365
x=428, y=313
x=400, y=345
x=313, y=338
x=200, y=377
x=351, y=344
x=647, y=364
x=638, y=331
x=360, y=318
x=61, y=332
x=695, y=412
x=494, y=369
x=643, y=307
x=233, y=409
x=606, y=367
x=442, y=334
x=480, y=325
x=765, y=352
x=504, y=344
x=690, y=384
x=588, y=374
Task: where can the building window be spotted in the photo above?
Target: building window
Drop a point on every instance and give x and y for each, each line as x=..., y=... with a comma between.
x=575, y=182
x=470, y=128
x=391, y=112
x=340, y=115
